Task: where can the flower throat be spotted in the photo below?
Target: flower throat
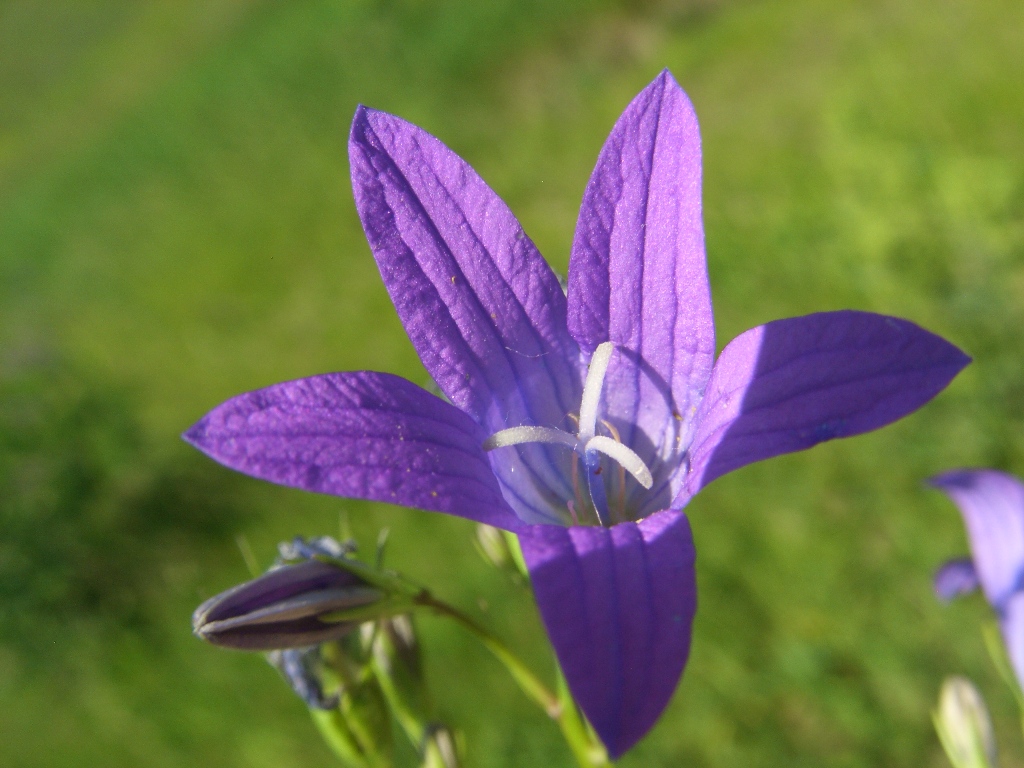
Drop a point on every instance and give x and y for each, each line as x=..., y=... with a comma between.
x=587, y=446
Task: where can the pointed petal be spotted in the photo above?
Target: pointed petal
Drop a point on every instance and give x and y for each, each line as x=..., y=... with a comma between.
x=955, y=578
x=992, y=505
x=483, y=309
x=794, y=383
x=618, y=604
x=1012, y=625
x=362, y=434
x=638, y=276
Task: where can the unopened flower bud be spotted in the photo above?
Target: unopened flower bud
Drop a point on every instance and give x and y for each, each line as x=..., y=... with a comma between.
x=964, y=726
x=955, y=578
x=300, y=548
x=500, y=549
x=303, y=669
x=396, y=648
x=292, y=606
x=492, y=546
x=440, y=749
x=398, y=666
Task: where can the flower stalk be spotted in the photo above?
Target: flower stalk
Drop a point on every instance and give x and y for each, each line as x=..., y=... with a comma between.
x=560, y=707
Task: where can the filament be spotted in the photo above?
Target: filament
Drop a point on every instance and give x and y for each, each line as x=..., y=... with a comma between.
x=520, y=435
x=587, y=448
x=592, y=390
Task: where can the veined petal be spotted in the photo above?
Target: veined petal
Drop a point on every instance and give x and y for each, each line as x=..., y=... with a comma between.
x=638, y=276
x=361, y=434
x=618, y=604
x=482, y=307
x=955, y=578
x=793, y=383
x=992, y=505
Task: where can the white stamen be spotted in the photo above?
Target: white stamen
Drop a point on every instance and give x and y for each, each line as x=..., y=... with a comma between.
x=586, y=444
x=518, y=435
x=592, y=390
x=625, y=456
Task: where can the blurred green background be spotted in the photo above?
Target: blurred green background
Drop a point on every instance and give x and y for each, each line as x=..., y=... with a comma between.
x=177, y=226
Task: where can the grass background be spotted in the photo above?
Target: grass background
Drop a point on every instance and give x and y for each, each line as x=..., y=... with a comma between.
x=176, y=226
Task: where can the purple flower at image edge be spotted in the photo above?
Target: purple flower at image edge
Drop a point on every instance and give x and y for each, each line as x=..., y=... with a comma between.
x=585, y=420
x=992, y=505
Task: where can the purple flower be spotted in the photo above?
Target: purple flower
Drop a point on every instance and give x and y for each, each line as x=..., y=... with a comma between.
x=584, y=422
x=992, y=505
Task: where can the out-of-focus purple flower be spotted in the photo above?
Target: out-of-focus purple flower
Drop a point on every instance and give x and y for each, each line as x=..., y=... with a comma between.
x=955, y=578
x=992, y=505
x=582, y=421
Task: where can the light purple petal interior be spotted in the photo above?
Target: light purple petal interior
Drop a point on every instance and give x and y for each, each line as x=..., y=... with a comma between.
x=793, y=383
x=955, y=578
x=638, y=277
x=618, y=604
x=361, y=434
x=482, y=307
x=992, y=505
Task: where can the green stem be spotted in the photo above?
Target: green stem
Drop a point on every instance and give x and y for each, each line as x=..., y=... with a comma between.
x=997, y=653
x=528, y=682
x=582, y=740
x=587, y=750
x=339, y=737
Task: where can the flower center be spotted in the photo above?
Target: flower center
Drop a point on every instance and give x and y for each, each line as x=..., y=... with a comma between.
x=587, y=445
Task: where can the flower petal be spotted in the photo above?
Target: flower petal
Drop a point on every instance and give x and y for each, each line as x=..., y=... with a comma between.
x=362, y=434
x=793, y=383
x=638, y=275
x=482, y=307
x=955, y=578
x=618, y=604
x=992, y=504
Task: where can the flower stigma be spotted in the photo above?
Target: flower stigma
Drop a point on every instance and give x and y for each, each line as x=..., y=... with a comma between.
x=588, y=446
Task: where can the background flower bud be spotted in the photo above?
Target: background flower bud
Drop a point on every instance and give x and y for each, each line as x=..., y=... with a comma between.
x=398, y=666
x=964, y=726
x=440, y=749
x=500, y=549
